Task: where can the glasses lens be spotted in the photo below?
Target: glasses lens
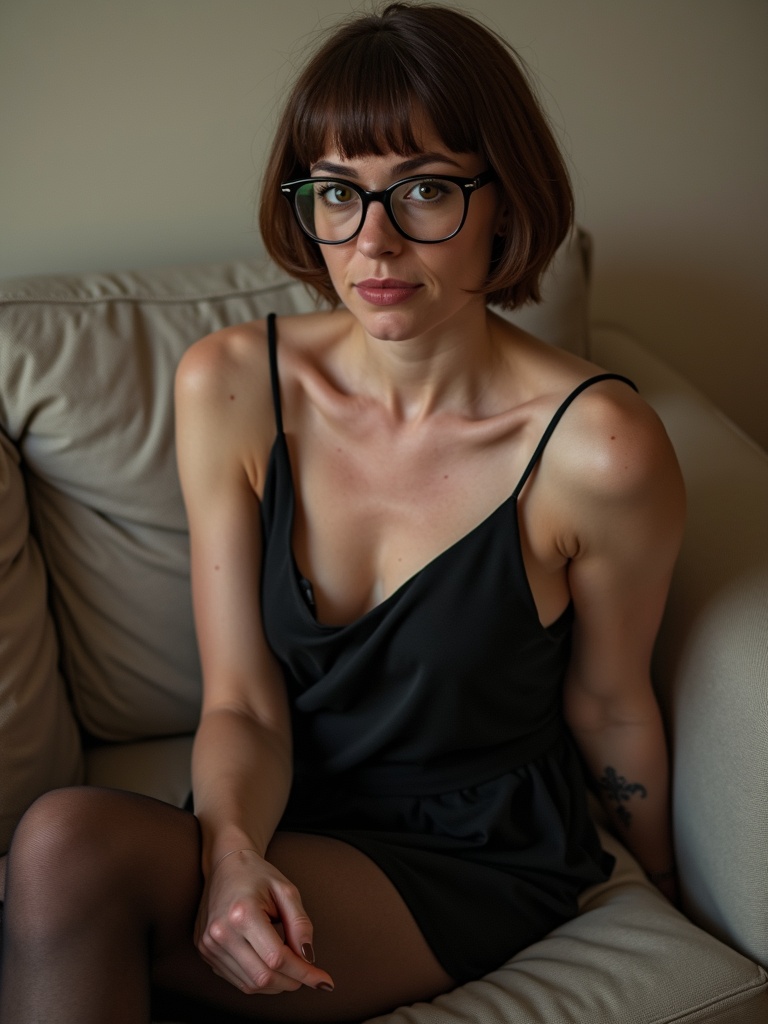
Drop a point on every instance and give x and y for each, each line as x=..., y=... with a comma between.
x=329, y=211
x=429, y=209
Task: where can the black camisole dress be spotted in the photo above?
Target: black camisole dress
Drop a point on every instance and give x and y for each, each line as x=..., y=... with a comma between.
x=429, y=732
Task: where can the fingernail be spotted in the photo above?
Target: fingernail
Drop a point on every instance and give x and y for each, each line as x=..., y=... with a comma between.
x=325, y=987
x=308, y=953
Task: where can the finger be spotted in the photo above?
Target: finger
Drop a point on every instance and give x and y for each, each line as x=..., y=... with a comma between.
x=298, y=929
x=256, y=959
x=212, y=945
x=296, y=925
x=234, y=959
x=281, y=960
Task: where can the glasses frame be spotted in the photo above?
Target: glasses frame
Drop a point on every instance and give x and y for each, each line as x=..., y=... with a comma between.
x=468, y=187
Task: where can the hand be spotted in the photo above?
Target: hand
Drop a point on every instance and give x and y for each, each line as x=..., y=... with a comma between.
x=246, y=909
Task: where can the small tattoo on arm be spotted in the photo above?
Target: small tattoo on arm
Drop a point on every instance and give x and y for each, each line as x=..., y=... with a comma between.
x=620, y=791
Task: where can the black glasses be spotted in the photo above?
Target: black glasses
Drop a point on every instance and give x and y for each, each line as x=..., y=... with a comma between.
x=424, y=208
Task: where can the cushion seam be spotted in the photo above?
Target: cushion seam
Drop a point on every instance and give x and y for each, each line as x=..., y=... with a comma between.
x=739, y=995
x=53, y=299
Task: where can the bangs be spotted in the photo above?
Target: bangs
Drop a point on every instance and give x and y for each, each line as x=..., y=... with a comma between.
x=375, y=100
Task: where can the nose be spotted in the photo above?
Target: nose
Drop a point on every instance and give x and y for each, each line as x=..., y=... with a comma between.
x=378, y=234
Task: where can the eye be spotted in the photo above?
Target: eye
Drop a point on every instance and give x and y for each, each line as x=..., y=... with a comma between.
x=335, y=193
x=427, y=191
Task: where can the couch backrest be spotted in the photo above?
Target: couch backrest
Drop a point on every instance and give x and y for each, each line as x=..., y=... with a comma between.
x=86, y=432
x=711, y=657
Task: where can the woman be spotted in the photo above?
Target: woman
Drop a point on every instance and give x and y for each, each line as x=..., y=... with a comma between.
x=429, y=552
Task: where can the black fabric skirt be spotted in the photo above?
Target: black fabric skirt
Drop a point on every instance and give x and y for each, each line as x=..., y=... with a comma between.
x=486, y=870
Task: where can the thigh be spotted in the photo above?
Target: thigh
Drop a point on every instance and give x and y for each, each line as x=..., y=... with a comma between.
x=104, y=855
x=365, y=937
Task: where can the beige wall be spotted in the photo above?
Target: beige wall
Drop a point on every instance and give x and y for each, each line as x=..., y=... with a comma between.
x=132, y=132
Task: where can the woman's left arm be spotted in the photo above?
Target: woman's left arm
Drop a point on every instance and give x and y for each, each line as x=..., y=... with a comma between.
x=629, y=518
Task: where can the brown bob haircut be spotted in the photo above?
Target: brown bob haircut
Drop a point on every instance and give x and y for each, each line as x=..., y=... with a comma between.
x=373, y=82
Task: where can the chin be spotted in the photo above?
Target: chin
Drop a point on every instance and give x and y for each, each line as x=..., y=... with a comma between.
x=391, y=323
x=390, y=326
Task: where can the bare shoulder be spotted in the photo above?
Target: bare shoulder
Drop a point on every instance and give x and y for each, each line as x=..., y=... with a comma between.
x=609, y=465
x=610, y=439
x=216, y=361
x=223, y=389
x=616, y=443
x=239, y=354
x=618, y=472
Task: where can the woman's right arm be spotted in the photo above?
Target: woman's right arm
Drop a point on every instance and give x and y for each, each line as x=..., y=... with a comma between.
x=242, y=754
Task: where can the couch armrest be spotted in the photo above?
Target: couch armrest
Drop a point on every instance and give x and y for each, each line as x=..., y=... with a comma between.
x=711, y=659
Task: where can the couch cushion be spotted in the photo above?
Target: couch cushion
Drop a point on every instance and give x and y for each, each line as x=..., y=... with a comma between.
x=86, y=379
x=160, y=768
x=87, y=365
x=39, y=741
x=562, y=317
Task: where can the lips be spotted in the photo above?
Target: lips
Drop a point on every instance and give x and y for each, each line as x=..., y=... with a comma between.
x=385, y=291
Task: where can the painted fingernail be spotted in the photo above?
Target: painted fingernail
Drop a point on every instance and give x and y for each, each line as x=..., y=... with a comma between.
x=325, y=987
x=307, y=952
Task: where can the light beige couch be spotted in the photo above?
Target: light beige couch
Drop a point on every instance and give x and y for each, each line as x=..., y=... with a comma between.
x=96, y=636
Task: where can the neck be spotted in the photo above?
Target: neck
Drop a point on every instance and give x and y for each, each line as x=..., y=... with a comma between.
x=447, y=369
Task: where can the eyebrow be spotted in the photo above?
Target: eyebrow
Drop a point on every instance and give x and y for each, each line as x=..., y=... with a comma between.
x=414, y=163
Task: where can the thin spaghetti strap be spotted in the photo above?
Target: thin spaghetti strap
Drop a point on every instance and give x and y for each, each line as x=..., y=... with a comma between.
x=274, y=377
x=558, y=416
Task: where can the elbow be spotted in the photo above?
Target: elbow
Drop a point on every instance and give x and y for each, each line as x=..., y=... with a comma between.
x=590, y=714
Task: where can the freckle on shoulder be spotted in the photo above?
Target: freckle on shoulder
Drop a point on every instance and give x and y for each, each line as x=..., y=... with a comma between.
x=216, y=361
x=624, y=439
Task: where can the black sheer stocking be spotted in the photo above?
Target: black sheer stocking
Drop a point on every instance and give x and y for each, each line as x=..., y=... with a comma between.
x=88, y=881
x=102, y=892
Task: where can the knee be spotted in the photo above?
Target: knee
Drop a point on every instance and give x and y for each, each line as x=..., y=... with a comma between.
x=59, y=856
x=59, y=824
